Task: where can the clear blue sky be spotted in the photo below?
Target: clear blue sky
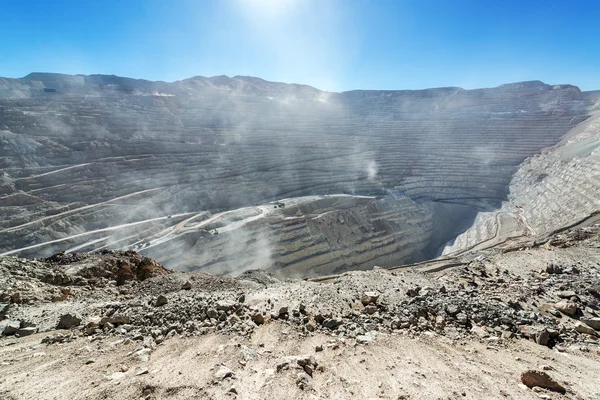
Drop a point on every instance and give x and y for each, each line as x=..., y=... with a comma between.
x=330, y=44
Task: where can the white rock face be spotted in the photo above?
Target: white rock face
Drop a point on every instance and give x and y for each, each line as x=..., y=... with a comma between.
x=551, y=190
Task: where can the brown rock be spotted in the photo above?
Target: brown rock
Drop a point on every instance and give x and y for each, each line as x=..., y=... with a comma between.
x=532, y=378
x=566, y=307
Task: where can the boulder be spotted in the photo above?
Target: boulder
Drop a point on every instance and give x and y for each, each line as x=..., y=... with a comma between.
x=566, y=307
x=592, y=322
x=30, y=330
x=583, y=328
x=532, y=378
x=10, y=327
x=68, y=321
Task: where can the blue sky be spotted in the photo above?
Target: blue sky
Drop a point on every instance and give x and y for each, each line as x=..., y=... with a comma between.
x=330, y=44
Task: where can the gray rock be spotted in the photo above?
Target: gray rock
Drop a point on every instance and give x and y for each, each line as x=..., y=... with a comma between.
x=226, y=305
x=222, y=373
x=584, y=328
x=303, y=380
x=542, y=337
x=10, y=327
x=592, y=322
x=187, y=285
x=452, y=309
x=371, y=309
x=567, y=294
x=161, y=301
x=30, y=330
x=283, y=311
x=4, y=309
x=331, y=323
x=115, y=376
x=68, y=321
x=369, y=297
x=366, y=338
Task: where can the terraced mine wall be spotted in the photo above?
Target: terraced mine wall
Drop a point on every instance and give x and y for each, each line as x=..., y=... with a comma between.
x=549, y=191
x=190, y=172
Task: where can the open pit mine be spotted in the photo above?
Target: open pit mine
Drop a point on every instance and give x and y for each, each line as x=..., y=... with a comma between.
x=225, y=175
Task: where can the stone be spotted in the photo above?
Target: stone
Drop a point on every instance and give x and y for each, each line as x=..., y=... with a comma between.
x=584, y=328
x=68, y=321
x=141, y=371
x=365, y=339
x=143, y=355
x=258, y=318
x=226, y=305
x=479, y=331
x=567, y=294
x=452, y=309
x=555, y=312
x=223, y=372
x=241, y=299
x=232, y=390
x=30, y=330
x=296, y=362
x=592, y=322
x=542, y=337
x=11, y=327
x=566, y=307
x=91, y=324
x=532, y=378
x=318, y=348
x=303, y=380
x=115, y=320
x=282, y=311
x=371, y=309
x=462, y=318
x=161, y=301
x=3, y=309
x=90, y=361
x=369, y=297
x=331, y=323
x=115, y=376
x=186, y=286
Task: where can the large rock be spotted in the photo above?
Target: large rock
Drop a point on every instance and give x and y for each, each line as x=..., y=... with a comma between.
x=68, y=321
x=593, y=322
x=567, y=307
x=532, y=378
x=584, y=328
x=10, y=327
x=30, y=330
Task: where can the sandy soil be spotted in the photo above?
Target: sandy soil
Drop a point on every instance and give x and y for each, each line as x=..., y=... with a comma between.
x=393, y=366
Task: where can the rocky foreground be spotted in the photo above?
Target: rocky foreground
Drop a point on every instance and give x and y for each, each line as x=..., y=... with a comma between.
x=517, y=323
